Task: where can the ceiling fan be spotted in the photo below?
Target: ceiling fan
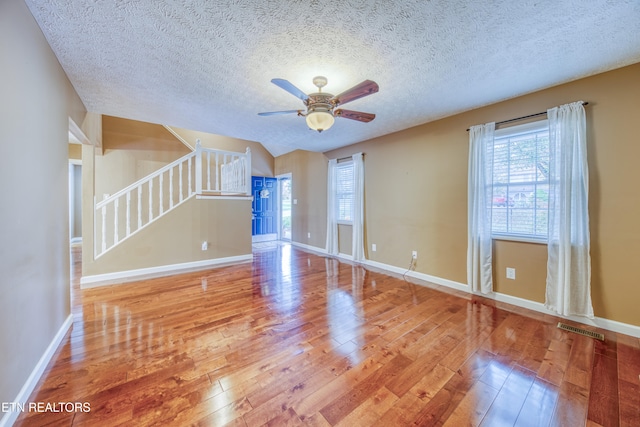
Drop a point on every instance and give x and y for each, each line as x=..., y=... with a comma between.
x=321, y=107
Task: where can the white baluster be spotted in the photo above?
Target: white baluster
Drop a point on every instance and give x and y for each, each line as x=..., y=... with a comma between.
x=247, y=171
x=95, y=229
x=104, y=226
x=150, y=200
x=208, y=170
x=171, y=188
x=115, y=221
x=161, y=196
x=227, y=172
x=139, y=207
x=180, y=180
x=190, y=188
x=198, y=167
x=217, y=171
x=128, y=213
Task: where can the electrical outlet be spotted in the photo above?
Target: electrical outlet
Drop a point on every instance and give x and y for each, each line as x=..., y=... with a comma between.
x=511, y=273
x=295, y=201
x=205, y=246
x=373, y=247
x=308, y=235
x=414, y=254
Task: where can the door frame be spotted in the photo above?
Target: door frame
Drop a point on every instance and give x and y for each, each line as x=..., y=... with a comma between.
x=266, y=237
x=282, y=177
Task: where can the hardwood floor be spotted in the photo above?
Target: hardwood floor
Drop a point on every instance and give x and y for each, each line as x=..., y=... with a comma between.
x=299, y=339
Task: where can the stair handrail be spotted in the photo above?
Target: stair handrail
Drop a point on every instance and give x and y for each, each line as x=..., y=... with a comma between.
x=144, y=180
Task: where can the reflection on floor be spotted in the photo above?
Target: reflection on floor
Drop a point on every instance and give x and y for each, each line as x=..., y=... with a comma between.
x=271, y=244
x=294, y=338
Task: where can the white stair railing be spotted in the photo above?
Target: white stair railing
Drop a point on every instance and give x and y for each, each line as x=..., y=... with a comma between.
x=121, y=215
x=223, y=172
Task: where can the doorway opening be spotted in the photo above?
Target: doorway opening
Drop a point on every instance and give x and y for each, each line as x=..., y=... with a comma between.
x=286, y=200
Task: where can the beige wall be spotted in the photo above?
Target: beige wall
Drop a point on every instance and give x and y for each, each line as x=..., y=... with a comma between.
x=132, y=150
x=309, y=188
x=408, y=204
x=177, y=237
x=75, y=152
x=261, y=159
x=37, y=101
x=416, y=194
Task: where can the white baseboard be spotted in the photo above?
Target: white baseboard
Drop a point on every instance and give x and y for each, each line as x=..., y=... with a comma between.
x=417, y=275
x=160, y=271
x=23, y=396
x=599, y=322
x=322, y=251
x=314, y=249
x=609, y=325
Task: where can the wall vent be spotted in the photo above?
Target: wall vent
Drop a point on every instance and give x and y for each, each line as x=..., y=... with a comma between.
x=580, y=331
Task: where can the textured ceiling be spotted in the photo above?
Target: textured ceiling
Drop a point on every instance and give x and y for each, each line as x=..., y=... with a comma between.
x=206, y=65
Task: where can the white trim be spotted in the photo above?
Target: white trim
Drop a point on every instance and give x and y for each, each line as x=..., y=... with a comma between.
x=75, y=130
x=315, y=249
x=610, y=325
x=322, y=251
x=348, y=257
x=212, y=197
x=422, y=276
x=536, y=125
x=179, y=138
x=284, y=177
x=10, y=417
x=518, y=238
x=160, y=271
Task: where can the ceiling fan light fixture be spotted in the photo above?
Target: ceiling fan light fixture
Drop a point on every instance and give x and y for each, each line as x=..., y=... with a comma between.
x=321, y=106
x=320, y=120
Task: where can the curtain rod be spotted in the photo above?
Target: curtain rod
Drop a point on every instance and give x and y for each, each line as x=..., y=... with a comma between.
x=525, y=117
x=342, y=159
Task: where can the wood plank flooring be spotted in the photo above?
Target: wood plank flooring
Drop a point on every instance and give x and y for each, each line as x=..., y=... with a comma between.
x=299, y=339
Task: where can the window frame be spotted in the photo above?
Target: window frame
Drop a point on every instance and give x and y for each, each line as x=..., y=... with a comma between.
x=347, y=164
x=510, y=132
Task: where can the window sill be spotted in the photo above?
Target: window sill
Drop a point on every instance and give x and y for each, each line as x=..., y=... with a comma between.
x=345, y=223
x=523, y=239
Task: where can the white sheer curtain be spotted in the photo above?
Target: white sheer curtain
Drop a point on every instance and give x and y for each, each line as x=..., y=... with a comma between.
x=479, y=271
x=332, y=214
x=357, y=240
x=569, y=263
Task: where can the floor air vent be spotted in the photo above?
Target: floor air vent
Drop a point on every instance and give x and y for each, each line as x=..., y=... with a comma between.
x=584, y=332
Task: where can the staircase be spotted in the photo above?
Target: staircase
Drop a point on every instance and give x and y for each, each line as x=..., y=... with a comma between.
x=203, y=172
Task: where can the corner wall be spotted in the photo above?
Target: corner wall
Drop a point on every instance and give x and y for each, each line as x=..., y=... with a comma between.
x=37, y=101
x=309, y=189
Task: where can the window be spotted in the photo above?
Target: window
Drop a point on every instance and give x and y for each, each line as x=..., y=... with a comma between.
x=520, y=193
x=344, y=192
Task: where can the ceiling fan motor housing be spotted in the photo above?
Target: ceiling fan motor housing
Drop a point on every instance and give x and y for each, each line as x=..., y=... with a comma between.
x=320, y=102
